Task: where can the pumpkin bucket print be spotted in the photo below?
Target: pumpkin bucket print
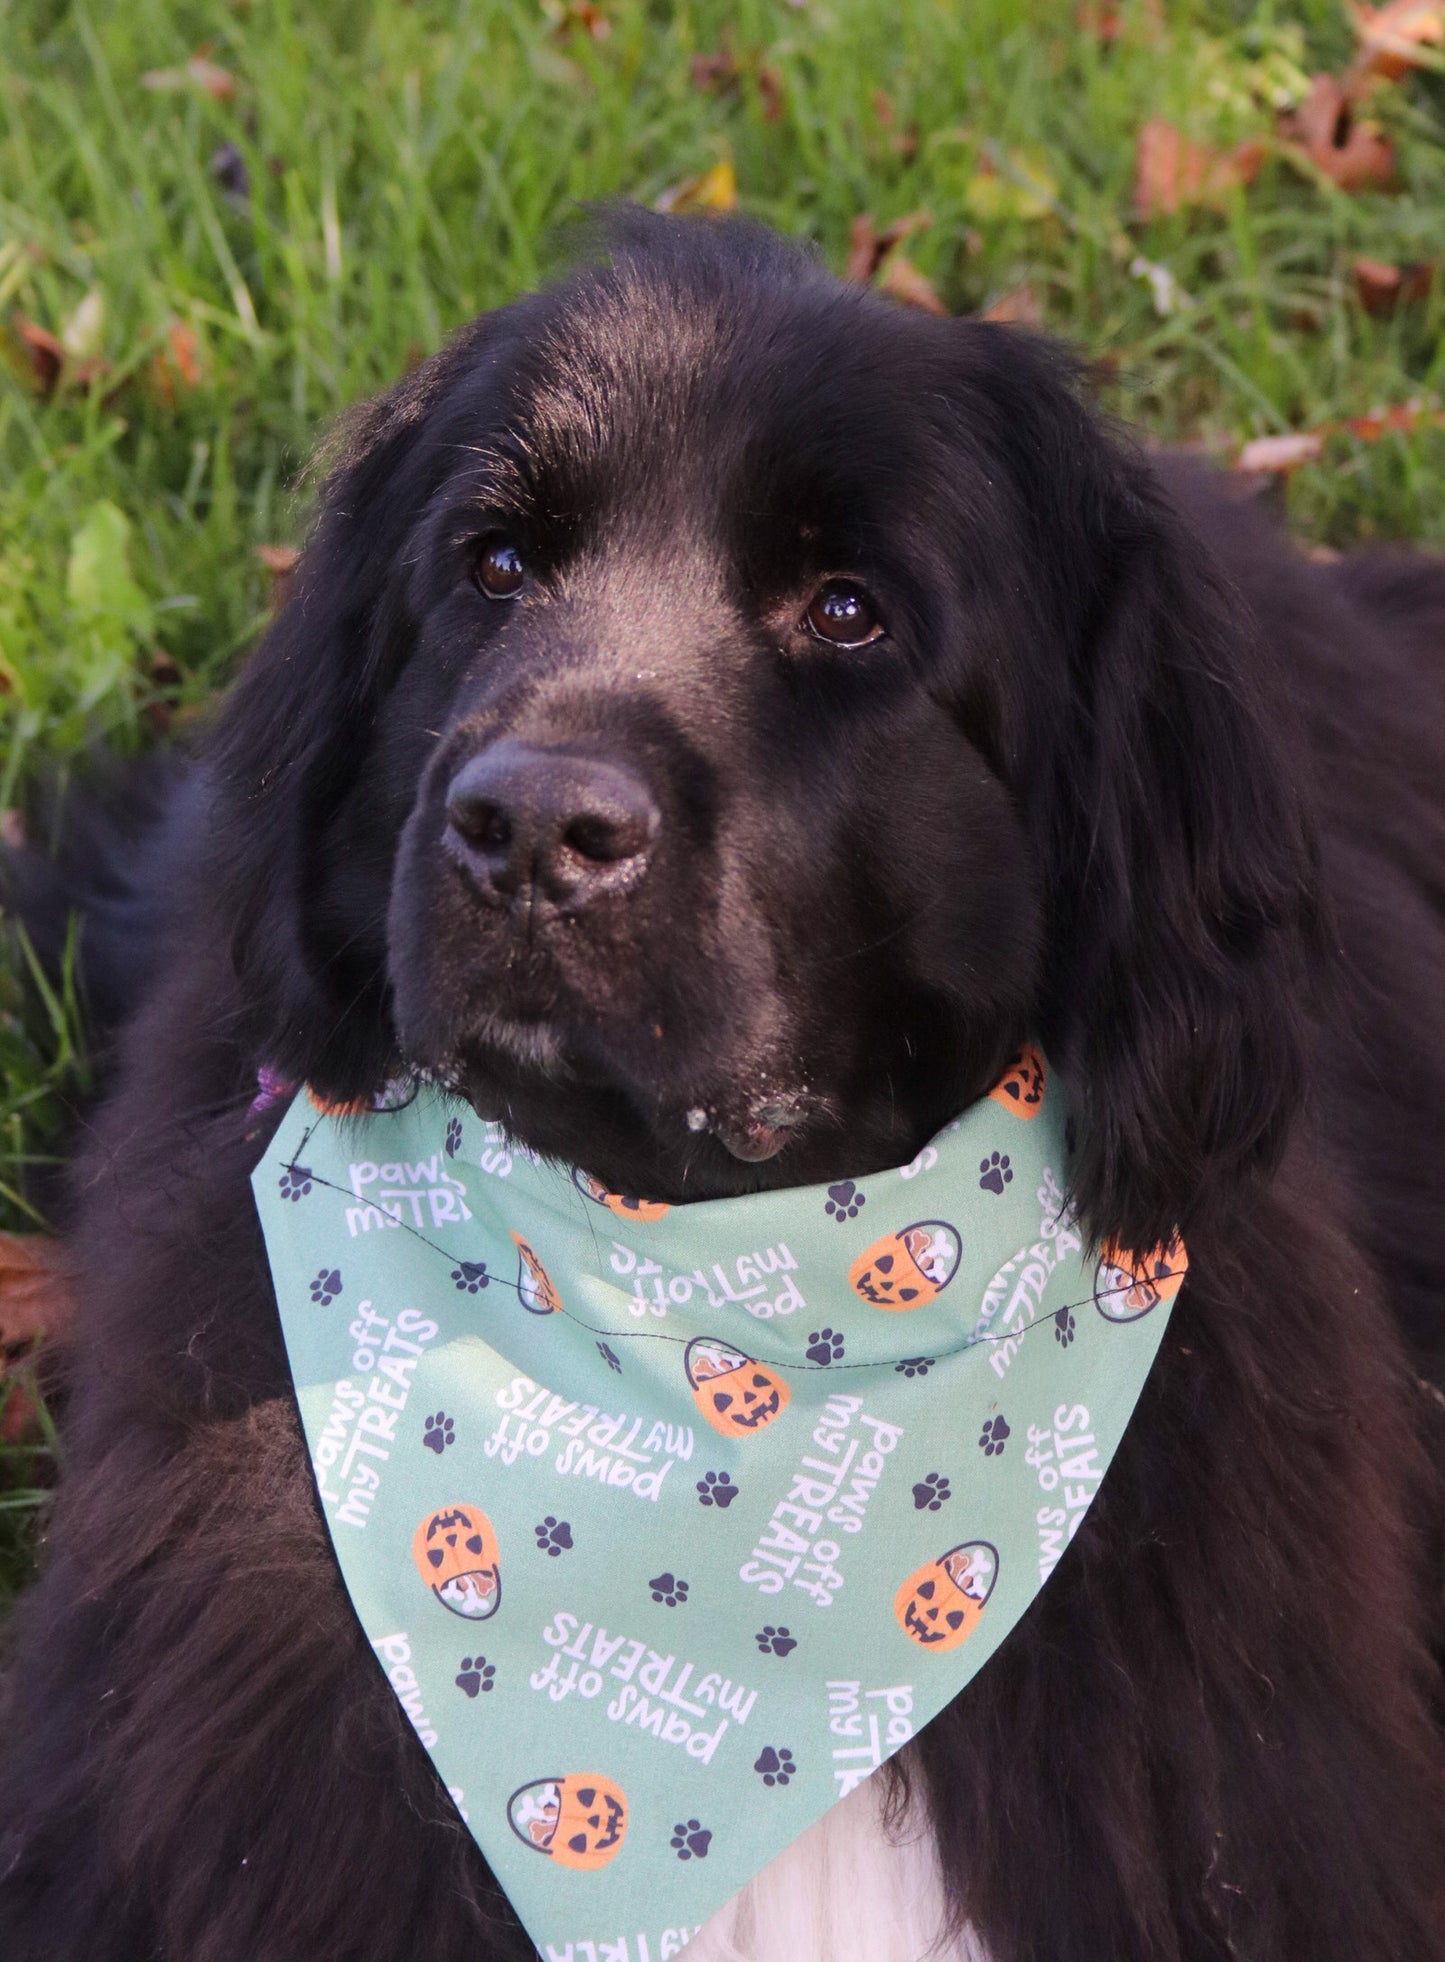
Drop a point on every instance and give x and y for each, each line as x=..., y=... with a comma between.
x=1021, y=1087
x=1128, y=1285
x=579, y=1821
x=908, y=1269
x=534, y=1284
x=939, y=1606
x=456, y=1554
x=620, y=1204
x=736, y=1395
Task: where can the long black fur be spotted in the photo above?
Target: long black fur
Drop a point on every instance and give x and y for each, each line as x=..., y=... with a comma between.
x=1125, y=771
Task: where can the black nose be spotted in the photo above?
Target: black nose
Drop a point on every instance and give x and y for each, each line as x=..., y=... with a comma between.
x=544, y=823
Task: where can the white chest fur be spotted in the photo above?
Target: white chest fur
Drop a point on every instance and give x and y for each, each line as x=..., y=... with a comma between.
x=850, y=1890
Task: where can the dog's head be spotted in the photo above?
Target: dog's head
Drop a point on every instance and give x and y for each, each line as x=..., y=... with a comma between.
x=722, y=711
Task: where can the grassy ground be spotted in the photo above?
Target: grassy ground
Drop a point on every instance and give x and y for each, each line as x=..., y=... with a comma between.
x=232, y=255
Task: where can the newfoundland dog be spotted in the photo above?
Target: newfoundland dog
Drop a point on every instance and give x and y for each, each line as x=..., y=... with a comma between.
x=720, y=712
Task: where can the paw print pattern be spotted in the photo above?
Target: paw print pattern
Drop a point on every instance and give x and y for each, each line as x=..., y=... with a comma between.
x=931, y=1492
x=775, y=1641
x=295, y=1182
x=671, y=1593
x=993, y=1436
x=913, y=1366
x=690, y=1840
x=454, y=1137
x=326, y=1286
x=824, y=1346
x=439, y=1433
x=470, y=1275
x=777, y=1767
x=609, y=1357
x=476, y=1676
x=1064, y=1326
x=996, y=1173
x=716, y=1489
x=554, y=1536
x=844, y=1202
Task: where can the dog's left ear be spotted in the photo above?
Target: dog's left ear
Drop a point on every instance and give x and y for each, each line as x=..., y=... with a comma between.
x=1180, y=863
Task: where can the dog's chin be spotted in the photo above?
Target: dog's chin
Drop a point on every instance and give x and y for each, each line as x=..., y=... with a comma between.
x=734, y=1128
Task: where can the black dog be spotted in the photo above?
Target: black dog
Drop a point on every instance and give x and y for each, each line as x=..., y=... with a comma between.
x=720, y=714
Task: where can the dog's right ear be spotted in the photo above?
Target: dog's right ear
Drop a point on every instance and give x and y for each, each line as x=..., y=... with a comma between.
x=306, y=934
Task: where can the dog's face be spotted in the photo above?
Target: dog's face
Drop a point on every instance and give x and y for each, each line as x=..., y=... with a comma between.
x=710, y=697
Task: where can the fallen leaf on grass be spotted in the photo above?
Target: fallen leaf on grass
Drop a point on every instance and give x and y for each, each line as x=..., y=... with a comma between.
x=1278, y=455
x=1382, y=287
x=1270, y=455
x=34, y=1295
x=177, y=365
x=712, y=190
x=44, y=353
x=1402, y=420
x=198, y=73
x=68, y=359
x=1171, y=170
x=901, y=280
x=280, y=561
x=725, y=72
x=903, y=142
x=1019, y=307
x=580, y=14
x=868, y=247
x=1392, y=36
x=35, y=1303
x=1352, y=151
x=1104, y=19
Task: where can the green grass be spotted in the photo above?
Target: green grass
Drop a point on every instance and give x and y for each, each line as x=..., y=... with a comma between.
x=411, y=164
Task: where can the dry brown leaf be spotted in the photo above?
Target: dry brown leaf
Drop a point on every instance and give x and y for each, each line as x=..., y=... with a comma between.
x=198, y=73
x=1019, y=307
x=44, y=351
x=177, y=365
x=584, y=15
x=1378, y=286
x=34, y=1294
x=901, y=280
x=868, y=247
x=1391, y=36
x=281, y=562
x=1277, y=455
x=1272, y=455
x=1402, y=420
x=1351, y=151
x=768, y=81
x=1171, y=170
x=712, y=190
x=903, y=142
x=1104, y=19
x=52, y=364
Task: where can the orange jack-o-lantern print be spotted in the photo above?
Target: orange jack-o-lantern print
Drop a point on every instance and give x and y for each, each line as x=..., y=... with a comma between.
x=620, y=1204
x=1021, y=1087
x=579, y=1821
x=736, y=1395
x=456, y=1554
x=907, y=1269
x=939, y=1606
x=1128, y=1285
x=535, y=1287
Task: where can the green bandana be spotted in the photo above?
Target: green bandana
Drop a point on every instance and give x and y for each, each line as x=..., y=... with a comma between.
x=668, y=1524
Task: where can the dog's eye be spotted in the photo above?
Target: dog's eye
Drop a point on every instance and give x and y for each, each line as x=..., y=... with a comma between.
x=498, y=568
x=841, y=613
